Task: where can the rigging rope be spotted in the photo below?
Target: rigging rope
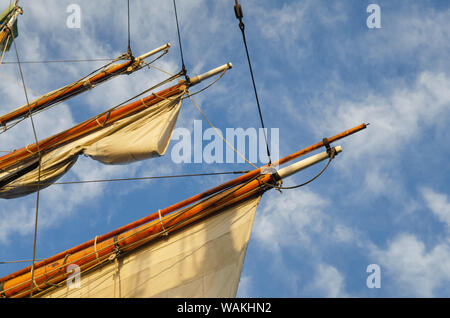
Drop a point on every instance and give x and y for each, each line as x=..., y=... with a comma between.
x=239, y=16
x=40, y=157
x=20, y=261
x=4, y=50
x=183, y=66
x=129, y=46
x=157, y=68
x=218, y=133
x=60, y=61
x=138, y=178
x=189, y=95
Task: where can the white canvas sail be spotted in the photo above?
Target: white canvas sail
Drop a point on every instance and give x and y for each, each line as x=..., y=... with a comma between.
x=203, y=260
x=140, y=136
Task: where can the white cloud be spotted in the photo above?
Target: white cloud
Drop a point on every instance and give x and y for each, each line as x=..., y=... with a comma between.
x=329, y=282
x=343, y=234
x=289, y=27
x=439, y=204
x=299, y=218
x=394, y=119
x=414, y=270
x=288, y=219
x=245, y=286
x=15, y=219
x=282, y=24
x=419, y=31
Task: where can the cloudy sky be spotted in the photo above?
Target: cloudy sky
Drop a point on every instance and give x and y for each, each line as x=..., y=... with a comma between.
x=319, y=70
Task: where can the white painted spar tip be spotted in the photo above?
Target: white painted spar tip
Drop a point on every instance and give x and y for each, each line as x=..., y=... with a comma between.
x=197, y=79
x=161, y=48
x=305, y=163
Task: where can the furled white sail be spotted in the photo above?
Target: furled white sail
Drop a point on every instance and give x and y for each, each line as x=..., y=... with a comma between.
x=140, y=136
x=203, y=260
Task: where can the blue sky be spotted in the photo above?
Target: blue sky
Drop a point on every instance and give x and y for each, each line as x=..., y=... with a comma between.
x=319, y=70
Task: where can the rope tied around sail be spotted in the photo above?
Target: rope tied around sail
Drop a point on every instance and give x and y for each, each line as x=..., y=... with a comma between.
x=166, y=233
x=4, y=50
x=95, y=247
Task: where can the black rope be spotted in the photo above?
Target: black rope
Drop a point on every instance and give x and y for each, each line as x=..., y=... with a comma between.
x=239, y=16
x=129, y=37
x=183, y=66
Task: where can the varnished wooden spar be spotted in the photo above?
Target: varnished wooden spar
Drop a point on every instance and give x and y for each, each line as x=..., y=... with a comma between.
x=78, y=87
x=53, y=272
x=86, y=127
x=13, y=282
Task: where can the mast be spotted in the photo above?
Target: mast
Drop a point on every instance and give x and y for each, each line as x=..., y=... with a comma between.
x=78, y=87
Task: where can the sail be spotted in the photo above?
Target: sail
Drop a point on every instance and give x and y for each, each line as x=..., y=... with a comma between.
x=143, y=135
x=5, y=37
x=120, y=135
x=203, y=260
